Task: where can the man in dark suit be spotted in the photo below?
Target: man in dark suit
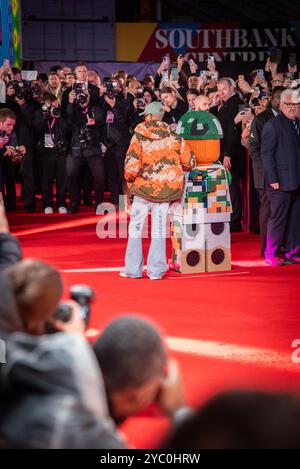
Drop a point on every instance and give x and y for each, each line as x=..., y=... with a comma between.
x=255, y=154
x=232, y=152
x=280, y=150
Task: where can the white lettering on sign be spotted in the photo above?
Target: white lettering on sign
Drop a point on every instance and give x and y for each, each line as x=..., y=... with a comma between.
x=195, y=40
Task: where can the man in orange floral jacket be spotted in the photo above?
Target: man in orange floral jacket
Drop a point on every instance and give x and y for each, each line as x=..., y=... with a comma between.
x=154, y=170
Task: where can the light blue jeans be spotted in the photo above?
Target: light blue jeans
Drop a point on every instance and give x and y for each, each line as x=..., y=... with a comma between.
x=157, y=260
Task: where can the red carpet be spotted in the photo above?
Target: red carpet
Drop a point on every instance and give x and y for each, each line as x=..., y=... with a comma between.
x=236, y=328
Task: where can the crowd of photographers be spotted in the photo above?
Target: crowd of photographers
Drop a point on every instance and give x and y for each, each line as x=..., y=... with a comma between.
x=74, y=128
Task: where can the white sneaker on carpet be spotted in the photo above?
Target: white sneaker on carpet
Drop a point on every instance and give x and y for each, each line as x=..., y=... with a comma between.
x=48, y=211
x=63, y=210
x=155, y=278
x=124, y=275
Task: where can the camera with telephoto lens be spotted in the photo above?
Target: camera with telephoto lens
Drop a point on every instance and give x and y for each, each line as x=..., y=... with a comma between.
x=22, y=89
x=36, y=89
x=49, y=112
x=79, y=89
x=83, y=295
x=111, y=88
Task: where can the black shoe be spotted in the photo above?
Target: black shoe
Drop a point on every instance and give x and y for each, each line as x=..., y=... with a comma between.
x=73, y=209
x=291, y=260
x=10, y=209
x=235, y=228
x=29, y=209
x=88, y=203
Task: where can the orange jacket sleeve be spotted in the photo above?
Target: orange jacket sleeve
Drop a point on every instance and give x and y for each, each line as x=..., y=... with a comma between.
x=187, y=157
x=133, y=160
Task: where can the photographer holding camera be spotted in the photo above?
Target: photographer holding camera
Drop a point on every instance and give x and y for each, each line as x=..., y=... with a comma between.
x=118, y=118
x=20, y=100
x=82, y=83
x=10, y=153
x=84, y=116
x=51, y=388
x=52, y=144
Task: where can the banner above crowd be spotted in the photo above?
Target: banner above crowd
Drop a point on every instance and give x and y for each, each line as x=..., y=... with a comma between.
x=227, y=42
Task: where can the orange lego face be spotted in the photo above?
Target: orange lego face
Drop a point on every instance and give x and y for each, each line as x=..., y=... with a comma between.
x=206, y=151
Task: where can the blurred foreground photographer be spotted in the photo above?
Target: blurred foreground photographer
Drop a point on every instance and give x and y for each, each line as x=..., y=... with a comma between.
x=51, y=390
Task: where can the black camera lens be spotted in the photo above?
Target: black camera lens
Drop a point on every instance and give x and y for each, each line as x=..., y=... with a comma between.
x=83, y=295
x=141, y=102
x=55, y=112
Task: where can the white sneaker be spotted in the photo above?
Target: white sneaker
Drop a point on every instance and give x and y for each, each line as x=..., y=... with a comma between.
x=124, y=275
x=63, y=210
x=155, y=278
x=48, y=211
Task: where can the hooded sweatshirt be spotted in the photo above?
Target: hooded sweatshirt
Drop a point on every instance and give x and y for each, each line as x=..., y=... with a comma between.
x=155, y=162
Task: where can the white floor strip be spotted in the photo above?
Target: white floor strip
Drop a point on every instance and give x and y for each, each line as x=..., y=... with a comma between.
x=229, y=352
x=180, y=277
x=235, y=353
x=96, y=269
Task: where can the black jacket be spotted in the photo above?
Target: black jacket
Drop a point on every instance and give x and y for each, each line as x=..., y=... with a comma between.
x=85, y=140
x=117, y=132
x=257, y=126
x=174, y=115
x=280, y=151
x=57, y=127
x=231, y=143
x=92, y=89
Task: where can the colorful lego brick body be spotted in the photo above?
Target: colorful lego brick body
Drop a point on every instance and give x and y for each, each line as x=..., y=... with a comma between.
x=200, y=223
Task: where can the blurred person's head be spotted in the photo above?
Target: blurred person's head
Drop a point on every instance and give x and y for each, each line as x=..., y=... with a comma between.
x=191, y=96
x=81, y=72
x=132, y=358
x=59, y=71
x=67, y=70
x=7, y=120
x=275, y=97
x=202, y=103
x=148, y=81
x=42, y=80
x=257, y=107
x=241, y=420
x=289, y=103
x=149, y=95
x=134, y=86
x=226, y=88
x=70, y=79
x=123, y=75
x=94, y=78
x=16, y=74
x=168, y=96
x=53, y=80
x=49, y=99
x=193, y=81
x=37, y=289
